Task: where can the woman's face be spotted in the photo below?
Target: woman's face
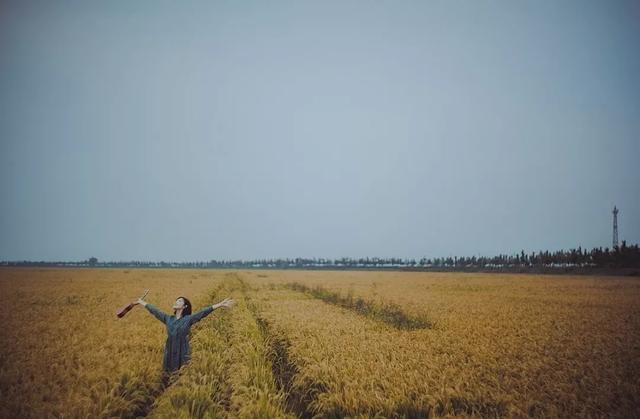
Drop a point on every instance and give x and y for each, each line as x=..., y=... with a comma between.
x=179, y=304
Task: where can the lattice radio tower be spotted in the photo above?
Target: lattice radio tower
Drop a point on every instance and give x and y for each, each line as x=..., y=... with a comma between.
x=615, y=227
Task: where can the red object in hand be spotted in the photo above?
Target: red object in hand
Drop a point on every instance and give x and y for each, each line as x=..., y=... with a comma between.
x=124, y=310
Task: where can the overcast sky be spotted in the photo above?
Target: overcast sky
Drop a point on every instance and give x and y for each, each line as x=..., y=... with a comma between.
x=172, y=130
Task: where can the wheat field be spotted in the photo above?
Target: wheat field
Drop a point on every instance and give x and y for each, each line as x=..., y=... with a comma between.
x=321, y=344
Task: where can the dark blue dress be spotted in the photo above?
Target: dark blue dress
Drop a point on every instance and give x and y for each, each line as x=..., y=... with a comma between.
x=177, y=351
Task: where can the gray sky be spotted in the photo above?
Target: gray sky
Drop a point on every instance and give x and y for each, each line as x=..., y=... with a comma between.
x=198, y=130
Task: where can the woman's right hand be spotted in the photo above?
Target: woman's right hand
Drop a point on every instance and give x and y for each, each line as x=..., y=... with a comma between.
x=140, y=300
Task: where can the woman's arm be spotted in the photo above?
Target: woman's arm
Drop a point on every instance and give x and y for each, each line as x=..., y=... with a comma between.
x=194, y=318
x=154, y=310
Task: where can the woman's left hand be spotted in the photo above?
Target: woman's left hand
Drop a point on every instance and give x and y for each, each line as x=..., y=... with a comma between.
x=227, y=302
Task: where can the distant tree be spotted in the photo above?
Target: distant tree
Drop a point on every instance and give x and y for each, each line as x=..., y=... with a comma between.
x=93, y=261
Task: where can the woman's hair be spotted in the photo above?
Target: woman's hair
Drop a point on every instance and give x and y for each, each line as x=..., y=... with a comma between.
x=187, y=307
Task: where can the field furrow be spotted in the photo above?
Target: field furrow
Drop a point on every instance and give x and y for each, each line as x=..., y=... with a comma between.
x=347, y=365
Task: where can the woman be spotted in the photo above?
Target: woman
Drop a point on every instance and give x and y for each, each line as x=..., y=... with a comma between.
x=177, y=351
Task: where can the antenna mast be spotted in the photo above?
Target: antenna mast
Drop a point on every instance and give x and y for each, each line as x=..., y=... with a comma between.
x=615, y=227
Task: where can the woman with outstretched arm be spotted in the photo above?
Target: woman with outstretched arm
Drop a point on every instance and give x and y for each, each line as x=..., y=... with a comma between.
x=177, y=351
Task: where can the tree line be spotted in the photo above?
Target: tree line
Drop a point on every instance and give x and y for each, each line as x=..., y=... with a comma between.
x=624, y=256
